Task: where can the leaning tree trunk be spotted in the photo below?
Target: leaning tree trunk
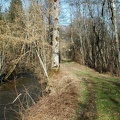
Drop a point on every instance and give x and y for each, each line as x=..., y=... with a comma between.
x=55, y=46
x=116, y=33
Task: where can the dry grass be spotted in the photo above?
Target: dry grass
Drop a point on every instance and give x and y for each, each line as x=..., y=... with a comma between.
x=67, y=90
x=61, y=103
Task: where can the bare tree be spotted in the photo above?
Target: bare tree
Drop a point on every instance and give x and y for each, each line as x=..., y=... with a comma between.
x=93, y=34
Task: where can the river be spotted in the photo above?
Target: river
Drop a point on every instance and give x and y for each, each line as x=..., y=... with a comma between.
x=28, y=90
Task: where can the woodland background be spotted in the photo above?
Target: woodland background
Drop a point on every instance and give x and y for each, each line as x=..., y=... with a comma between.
x=89, y=35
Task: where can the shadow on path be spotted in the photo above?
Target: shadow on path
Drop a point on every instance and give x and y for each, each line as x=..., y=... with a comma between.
x=89, y=109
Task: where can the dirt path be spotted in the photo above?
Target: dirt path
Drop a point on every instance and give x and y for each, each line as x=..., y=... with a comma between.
x=62, y=102
x=89, y=111
x=73, y=96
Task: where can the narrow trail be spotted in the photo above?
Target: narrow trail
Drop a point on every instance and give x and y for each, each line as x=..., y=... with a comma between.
x=62, y=101
x=89, y=111
x=76, y=93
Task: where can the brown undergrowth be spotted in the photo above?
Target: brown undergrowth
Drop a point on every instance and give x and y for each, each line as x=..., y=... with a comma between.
x=62, y=101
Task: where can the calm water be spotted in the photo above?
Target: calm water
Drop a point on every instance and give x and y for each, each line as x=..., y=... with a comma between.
x=9, y=92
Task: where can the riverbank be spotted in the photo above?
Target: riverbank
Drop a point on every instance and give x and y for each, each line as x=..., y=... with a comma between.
x=16, y=95
x=78, y=93
x=62, y=101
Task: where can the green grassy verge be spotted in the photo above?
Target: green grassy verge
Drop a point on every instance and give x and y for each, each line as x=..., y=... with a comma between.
x=99, y=94
x=107, y=98
x=102, y=92
x=107, y=94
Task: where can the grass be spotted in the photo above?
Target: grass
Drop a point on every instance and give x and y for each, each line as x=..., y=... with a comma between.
x=79, y=93
x=61, y=103
x=82, y=100
x=108, y=98
x=107, y=94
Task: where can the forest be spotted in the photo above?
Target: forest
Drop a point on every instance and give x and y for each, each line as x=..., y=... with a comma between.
x=39, y=36
x=91, y=32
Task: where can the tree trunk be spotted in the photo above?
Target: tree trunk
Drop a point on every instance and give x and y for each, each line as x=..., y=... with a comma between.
x=0, y=62
x=116, y=33
x=55, y=46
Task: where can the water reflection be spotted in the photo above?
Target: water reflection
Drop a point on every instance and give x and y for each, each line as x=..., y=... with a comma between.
x=29, y=88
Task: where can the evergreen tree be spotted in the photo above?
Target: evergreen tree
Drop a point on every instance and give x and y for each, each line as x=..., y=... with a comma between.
x=16, y=15
x=0, y=13
x=16, y=10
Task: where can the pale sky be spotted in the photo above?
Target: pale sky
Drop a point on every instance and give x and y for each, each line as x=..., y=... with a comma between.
x=64, y=10
x=4, y=4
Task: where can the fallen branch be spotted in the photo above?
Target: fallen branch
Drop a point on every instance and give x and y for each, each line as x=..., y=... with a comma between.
x=11, y=69
x=41, y=62
x=16, y=98
x=29, y=95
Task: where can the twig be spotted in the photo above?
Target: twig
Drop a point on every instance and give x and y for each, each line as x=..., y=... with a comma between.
x=10, y=104
x=29, y=95
x=16, y=98
x=41, y=62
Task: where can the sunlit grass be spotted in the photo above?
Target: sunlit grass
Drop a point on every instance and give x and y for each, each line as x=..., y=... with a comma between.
x=108, y=98
x=107, y=94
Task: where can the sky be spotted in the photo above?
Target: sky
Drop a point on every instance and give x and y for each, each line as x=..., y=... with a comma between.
x=64, y=14
x=6, y=3
x=64, y=9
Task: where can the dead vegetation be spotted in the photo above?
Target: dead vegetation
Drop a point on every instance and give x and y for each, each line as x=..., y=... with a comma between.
x=62, y=101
